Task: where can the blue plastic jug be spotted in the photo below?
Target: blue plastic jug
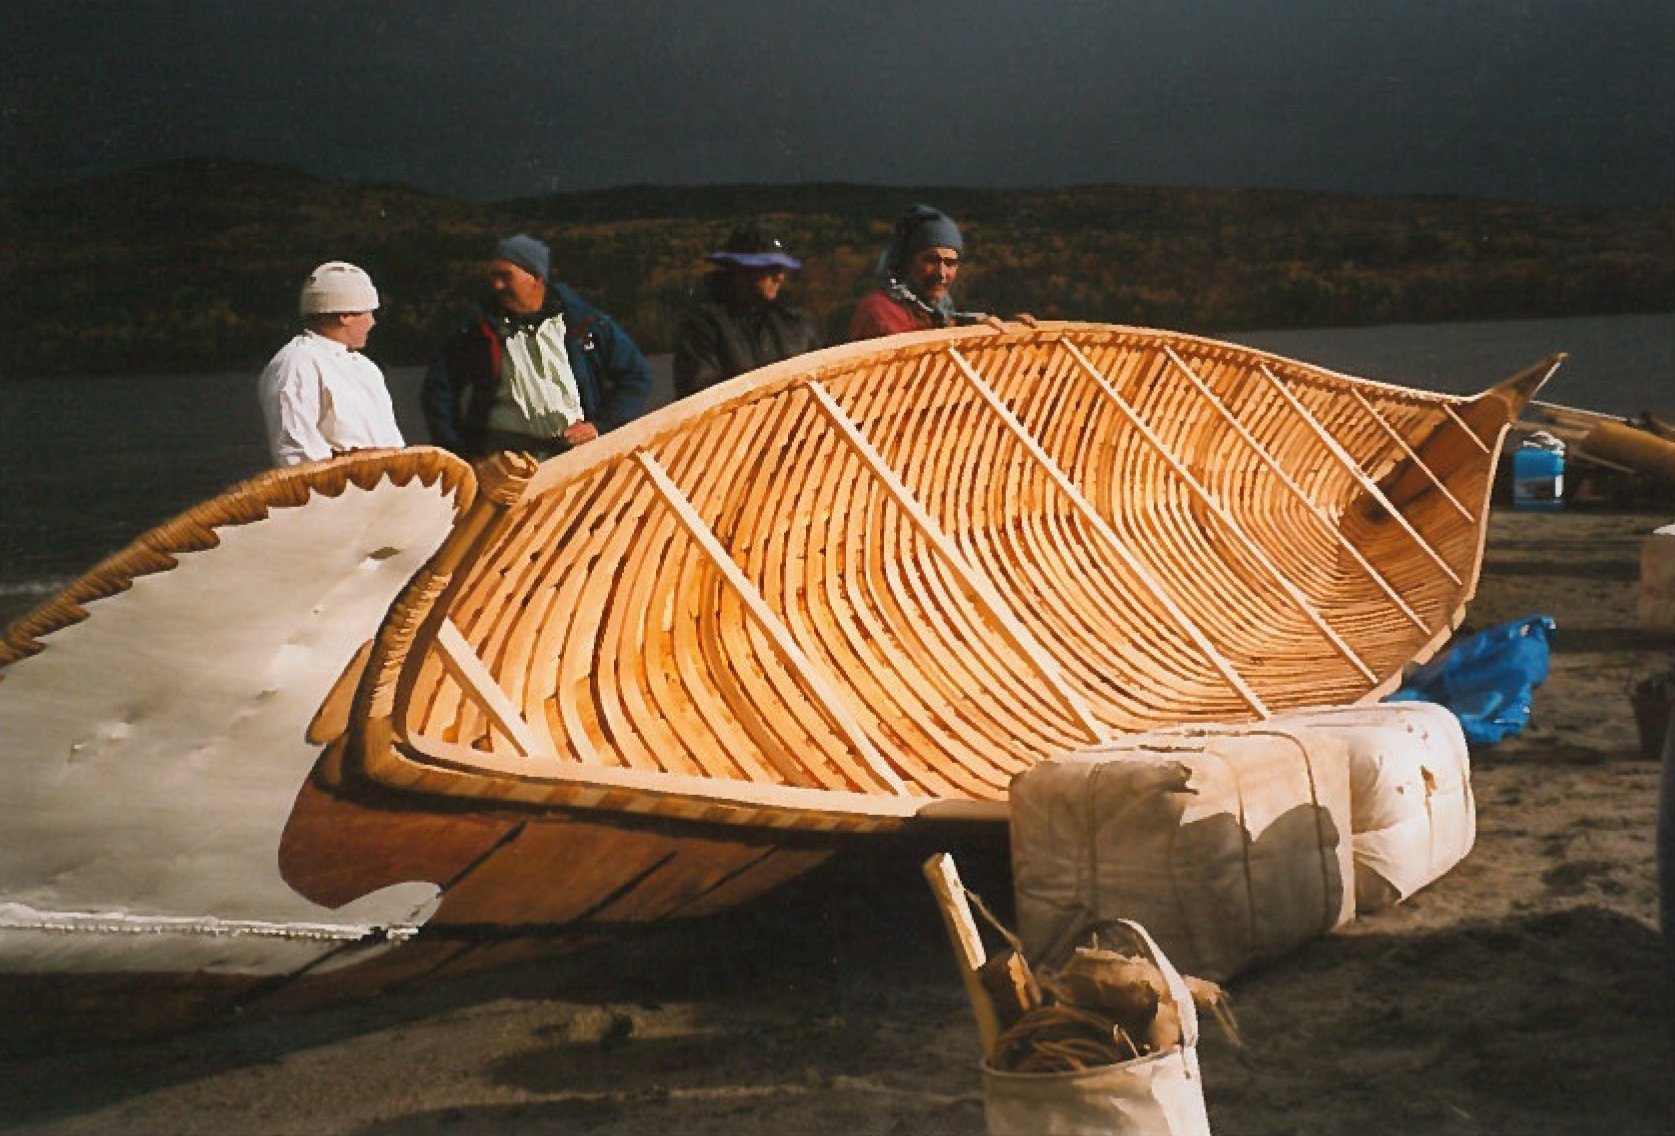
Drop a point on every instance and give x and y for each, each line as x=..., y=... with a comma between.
x=1537, y=477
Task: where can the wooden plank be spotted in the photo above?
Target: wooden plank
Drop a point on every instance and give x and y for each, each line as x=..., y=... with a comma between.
x=713, y=690
x=1097, y=522
x=724, y=653
x=573, y=651
x=821, y=688
x=693, y=591
x=507, y=601
x=1408, y=451
x=1056, y=557
x=969, y=953
x=978, y=586
x=638, y=649
x=949, y=462
x=1008, y=543
x=1454, y=417
x=1573, y=415
x=631, y=659
x=907, y=616
x=870, y=622
x=779, y=533
x=468, y=670
x=758, y=523
x=744, y=659
x=686, y=690
x=598, y=634
x=1201, y=493
x=1288, y=481
x=1353, y=468
x=829, y=576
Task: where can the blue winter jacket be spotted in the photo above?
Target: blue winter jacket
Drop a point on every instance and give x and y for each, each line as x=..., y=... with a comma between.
x=612, y=376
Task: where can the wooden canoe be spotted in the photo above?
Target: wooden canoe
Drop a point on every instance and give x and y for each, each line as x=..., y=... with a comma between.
x=665, y=672
x=876, y=582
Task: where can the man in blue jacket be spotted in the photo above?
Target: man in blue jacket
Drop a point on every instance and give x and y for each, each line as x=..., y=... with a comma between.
x=535, y=369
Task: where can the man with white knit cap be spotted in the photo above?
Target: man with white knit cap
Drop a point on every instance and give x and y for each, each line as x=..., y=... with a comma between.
x=320, y=396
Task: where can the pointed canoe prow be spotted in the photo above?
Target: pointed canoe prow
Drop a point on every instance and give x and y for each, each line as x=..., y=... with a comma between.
x=1511, y=394
x=1474, y=424
x=1488, y=415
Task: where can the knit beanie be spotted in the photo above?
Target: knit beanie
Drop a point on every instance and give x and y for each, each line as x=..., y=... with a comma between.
x=527, y=253
x=922, y=227
x=337, y=287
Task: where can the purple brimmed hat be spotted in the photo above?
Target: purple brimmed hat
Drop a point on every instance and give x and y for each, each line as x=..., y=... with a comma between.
x=751, y=247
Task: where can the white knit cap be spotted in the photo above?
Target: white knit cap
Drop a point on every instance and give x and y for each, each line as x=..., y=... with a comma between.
x=338, y=286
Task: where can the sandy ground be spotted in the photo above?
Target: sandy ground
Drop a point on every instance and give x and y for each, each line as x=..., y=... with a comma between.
x=1525, y=992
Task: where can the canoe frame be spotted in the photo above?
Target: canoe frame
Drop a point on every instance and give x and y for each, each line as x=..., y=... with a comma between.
x=1414, y=476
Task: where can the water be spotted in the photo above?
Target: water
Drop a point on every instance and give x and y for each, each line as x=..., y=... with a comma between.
x=87, y=465
x=1617, y=365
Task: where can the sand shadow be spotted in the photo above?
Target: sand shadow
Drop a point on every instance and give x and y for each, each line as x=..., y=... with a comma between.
x=1552, y=1024
x=833, y=941
x=1559, y=1023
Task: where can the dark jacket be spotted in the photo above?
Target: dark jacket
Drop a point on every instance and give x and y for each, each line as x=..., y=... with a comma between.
x=720, y=337
x=612, y=376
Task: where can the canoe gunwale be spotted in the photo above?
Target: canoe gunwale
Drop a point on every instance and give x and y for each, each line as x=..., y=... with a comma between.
x=647, y=432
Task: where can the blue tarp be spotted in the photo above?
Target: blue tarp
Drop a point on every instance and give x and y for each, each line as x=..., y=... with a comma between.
x=1488, y=679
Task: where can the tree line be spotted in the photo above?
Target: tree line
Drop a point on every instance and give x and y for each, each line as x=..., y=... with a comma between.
x=195, y=265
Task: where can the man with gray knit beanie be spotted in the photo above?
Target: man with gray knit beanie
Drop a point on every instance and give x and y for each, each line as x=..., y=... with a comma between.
x=535, y=368
x=915, y=274
x=320, y=396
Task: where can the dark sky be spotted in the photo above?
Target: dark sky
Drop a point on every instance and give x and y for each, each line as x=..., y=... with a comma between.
x=1549, y=100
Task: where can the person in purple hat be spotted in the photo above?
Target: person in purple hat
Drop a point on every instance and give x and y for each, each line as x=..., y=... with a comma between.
x=738, y=321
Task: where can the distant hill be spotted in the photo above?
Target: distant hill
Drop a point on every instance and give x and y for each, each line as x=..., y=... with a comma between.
x=194, y=265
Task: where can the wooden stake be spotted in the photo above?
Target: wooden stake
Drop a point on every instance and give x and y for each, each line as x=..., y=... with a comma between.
x=969, y=954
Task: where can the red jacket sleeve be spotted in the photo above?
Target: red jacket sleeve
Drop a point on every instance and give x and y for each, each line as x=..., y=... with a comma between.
x=876, y=314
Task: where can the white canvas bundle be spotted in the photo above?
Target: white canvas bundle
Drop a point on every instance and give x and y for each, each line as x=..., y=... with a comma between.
x=1656, y=601
x=1412, y=810
x=1233, y=848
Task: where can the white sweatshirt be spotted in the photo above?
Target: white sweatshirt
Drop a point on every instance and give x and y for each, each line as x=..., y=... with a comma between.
x=318, y=397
